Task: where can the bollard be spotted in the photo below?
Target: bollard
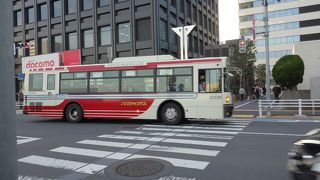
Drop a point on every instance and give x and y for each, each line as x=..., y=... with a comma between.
x=300, y=107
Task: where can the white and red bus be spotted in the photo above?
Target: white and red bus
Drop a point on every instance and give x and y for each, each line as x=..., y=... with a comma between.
x=149, y=87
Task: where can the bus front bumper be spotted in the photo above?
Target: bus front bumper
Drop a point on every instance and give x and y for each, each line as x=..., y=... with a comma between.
x=228, y=110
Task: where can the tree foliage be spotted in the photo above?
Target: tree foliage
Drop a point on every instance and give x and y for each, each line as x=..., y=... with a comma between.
x=246, y=63
x=260, y=74
x=289, y=71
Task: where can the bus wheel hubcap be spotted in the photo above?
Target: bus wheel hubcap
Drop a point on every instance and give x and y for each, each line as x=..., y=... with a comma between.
x=171, y=114
x=74, y=113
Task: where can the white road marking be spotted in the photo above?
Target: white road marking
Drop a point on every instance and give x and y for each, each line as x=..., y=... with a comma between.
x=196, y=127
x=119, y=156
x=243, y=104
x=188, y=130
x=273, y=134
x=177, y=135
x=200, y=152
x=81, y=151
x=52, y=162
x=23, y=139
x=201, y=165
x=195, y=142
x=105, y=143
x=175, y=178
x=168, y=140
x=21, y=177
x=91, y=169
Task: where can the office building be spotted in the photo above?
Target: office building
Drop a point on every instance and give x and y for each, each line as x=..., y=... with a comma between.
x=290, y=21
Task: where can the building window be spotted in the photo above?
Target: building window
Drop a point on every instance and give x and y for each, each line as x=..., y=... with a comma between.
x=43, y=12
x=57, y=43
x=72, y=41
x=173, y=3
x=18, y=18
x=105, y=35
x=181, y=6
x=119, y=1
x=104, y=3
x=163, y=30
x=43, y=45
x=29, y=15
x=87, y=4
x=88, y=38
x=72, y=6
x=56, y=8
x=143, y=29
x=124, y=32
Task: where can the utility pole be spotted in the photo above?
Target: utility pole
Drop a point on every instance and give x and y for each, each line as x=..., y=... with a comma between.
x=266, y=36
x=8, y=142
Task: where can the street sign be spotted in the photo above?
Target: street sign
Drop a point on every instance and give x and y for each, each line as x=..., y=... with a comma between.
x=242, y=46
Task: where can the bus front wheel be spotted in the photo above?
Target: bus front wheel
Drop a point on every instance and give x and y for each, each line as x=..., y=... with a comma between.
x=171, y=114
x=74, y=113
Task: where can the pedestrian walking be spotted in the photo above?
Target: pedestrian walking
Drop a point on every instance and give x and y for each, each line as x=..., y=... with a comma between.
x=276, y=91
x=241, y=93
x=257, y=92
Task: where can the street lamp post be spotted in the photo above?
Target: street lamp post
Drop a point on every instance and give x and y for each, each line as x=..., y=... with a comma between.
x=266, y=36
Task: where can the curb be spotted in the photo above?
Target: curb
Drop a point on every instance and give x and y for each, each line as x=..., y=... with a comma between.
x=243, y=116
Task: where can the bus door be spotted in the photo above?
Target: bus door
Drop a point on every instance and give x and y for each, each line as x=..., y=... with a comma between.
x=210, y=94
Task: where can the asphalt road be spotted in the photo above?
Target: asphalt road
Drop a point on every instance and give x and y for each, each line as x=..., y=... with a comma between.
x=247, y=149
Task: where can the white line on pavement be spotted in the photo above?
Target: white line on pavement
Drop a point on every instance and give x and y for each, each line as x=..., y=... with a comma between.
x=243, y=104
x=23, y=139
x=189, y=130
x=196, y=127
x=193, y=151
x=272, y=134
x=21, y=177
x=105, y=143
x=83, y=152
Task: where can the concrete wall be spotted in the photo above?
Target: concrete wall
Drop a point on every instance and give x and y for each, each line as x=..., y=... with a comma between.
x=310, y=53
x=315, y=85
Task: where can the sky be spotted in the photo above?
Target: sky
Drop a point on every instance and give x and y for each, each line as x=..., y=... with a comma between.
x=229, y=20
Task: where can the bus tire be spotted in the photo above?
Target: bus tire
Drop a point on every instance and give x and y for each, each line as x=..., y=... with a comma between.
x=74, y=113
x=171, y=114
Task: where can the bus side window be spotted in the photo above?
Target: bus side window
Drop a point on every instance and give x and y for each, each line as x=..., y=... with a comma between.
x=51, y=80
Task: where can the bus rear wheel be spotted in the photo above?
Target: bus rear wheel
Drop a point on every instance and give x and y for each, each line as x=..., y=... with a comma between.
x=171, y=114
x=74, y=113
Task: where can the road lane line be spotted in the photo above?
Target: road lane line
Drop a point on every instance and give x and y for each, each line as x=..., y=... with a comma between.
x=81, y=151
x=196, y=127
x=105, y=143
x=243, y=104
x=192, y=164
x=273, y=134
x=21, y=177
x=187, y=130
x=193, y=151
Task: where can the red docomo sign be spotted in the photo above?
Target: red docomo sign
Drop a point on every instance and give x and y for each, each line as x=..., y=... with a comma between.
x=41, y=64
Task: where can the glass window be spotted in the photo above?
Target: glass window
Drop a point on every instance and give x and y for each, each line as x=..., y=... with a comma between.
x=51, y=80
x=43, y=45
x=88, y=38
x=72, y=6
x=74, y=82
x=174, y=80
x=104, y=85
x=141, y=84
x=57, y=43
x=111, y=74
x=57, y=8
x=104, y=2
x=35, y=82
x=210, y=81
x=119, y=1
x=43, y=12
x=146, y=72
x=18, y=18
x=87, y=4
x=72, y=41
x=163, y=30
x=105, y=35
x=30, y=15
x=183, y=71
x=143, y=29
x=124, y=32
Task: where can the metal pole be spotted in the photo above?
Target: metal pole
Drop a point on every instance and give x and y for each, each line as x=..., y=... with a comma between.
x=266, y=36
x=8, y=142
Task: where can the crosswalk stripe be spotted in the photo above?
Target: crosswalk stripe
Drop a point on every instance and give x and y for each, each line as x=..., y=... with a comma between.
x=201, y=152
x=188, y=130
x=52, y=162
x=201, y=165
x=63, y=164
x=80, y=151
x=23, y=139
x=177, y=135
x=21, y=177
x=167, y=140
x=195, y=127
x=105, y=143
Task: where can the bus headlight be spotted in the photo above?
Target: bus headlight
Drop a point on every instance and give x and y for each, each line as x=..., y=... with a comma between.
x=227, y=99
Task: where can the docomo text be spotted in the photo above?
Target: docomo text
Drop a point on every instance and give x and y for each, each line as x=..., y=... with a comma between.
x=40, y=64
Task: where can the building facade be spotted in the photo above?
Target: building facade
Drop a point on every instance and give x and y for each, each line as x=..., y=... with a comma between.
x=221, y=50
x=106, y=29
x=290, y=21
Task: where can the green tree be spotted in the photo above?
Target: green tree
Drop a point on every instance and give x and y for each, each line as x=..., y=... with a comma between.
x=245, y=62
x=260, y=74
x=289, y=71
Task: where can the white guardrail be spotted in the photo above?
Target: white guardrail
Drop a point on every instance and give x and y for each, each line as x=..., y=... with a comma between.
x=292, y=103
